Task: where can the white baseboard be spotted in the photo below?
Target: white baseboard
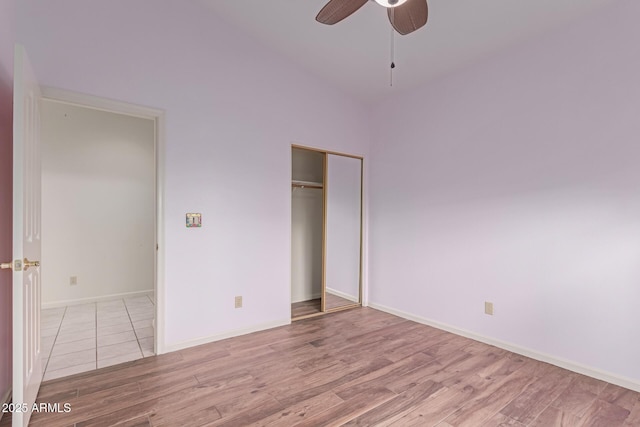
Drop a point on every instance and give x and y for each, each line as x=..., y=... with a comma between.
x=64, y=303
x=234, y=333
x=342, y=295
x=533, y=354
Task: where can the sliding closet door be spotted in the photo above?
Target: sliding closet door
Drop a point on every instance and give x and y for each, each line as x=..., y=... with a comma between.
x=343, y=185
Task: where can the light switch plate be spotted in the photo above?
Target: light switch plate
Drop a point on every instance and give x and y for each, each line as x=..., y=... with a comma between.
x=194, y=220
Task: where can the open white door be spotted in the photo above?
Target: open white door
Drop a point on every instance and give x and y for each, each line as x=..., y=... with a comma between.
x=27, y=367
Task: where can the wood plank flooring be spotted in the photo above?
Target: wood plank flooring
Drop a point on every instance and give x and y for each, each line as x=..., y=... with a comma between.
x=305, y=308
x=358, y=367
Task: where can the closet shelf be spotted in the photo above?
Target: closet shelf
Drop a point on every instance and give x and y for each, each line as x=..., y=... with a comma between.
x=306, y=184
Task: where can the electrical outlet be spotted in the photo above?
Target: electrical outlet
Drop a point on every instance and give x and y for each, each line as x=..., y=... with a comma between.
x=239, y=302
x=73, y=280
x=488, y=308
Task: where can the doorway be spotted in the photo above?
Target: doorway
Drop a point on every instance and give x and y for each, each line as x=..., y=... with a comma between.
x=100, y=229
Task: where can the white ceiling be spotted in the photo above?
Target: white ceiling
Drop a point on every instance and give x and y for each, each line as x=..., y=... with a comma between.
x=354, y=54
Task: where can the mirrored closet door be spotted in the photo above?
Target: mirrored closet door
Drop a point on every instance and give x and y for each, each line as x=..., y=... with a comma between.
x=326, y=232
x=343, y=231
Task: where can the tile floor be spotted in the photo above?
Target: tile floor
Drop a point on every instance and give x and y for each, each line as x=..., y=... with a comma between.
x=80, y=338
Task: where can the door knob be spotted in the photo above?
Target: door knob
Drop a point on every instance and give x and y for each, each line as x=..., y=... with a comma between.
x=28, y=264
x=15, y=266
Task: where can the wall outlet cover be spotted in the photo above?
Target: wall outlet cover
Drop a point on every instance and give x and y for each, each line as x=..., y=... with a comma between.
x=488, y=308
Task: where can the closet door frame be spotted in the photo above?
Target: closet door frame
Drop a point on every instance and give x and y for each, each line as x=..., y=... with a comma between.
x=325, y=190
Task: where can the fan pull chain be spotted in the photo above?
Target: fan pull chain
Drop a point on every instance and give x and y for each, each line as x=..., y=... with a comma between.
x=392, y=54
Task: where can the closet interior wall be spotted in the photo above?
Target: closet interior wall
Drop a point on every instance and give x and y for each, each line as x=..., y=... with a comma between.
x=307, y=212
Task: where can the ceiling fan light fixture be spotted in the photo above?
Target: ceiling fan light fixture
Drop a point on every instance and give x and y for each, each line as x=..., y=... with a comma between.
x=390, y=3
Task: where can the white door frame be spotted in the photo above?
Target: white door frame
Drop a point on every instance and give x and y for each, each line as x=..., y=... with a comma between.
x=119, y=107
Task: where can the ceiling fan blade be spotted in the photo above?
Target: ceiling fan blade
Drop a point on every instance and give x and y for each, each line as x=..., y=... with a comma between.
x=409, y=17
x=337, y=10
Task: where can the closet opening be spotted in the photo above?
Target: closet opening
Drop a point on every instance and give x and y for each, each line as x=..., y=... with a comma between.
x=326, y=232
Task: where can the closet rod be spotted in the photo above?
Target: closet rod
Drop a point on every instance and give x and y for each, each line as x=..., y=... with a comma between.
x=306, y=186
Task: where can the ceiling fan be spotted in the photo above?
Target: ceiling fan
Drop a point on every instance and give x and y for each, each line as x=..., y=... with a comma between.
x=405, y=16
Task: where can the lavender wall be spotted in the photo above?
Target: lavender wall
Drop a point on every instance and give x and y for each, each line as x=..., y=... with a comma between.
x=232, y=111
x=7, y=38
x=516, y=181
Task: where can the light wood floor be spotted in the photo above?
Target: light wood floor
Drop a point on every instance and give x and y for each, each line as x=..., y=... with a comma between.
x=305, y=308
x=355, y=367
